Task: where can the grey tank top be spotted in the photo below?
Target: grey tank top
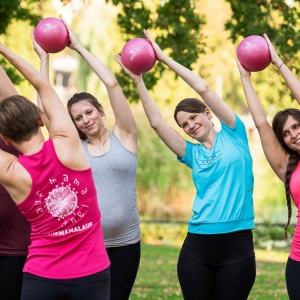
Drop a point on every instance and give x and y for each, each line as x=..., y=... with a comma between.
x=114, y=174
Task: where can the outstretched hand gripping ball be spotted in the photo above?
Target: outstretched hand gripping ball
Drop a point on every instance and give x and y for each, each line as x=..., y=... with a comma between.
x=51, y=34
x=254, y=54
x=138, y=55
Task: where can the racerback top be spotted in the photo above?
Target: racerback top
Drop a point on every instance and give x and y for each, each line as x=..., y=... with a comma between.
x=115, y=178
x=66, y=239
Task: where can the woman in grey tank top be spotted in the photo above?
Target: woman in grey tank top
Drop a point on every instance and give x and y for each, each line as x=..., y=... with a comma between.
x=113, y=157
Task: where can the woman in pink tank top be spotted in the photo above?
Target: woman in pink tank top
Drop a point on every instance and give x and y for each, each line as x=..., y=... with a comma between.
x=51, y=182
x=102, y=145
x=281, y=145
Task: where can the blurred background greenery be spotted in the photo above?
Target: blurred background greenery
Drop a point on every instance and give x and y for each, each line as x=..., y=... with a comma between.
x=199, y=34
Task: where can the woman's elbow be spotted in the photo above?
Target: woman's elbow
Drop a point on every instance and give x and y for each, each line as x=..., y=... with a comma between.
x=203, y=89
x=156, y=124
x=113, y=84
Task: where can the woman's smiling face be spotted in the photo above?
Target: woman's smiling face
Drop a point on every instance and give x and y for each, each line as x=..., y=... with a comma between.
x=87, y=117
x=196, y=125
x=291, y=133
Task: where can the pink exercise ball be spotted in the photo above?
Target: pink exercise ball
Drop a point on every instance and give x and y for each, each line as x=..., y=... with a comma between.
x=138, y=55
x=52, y=35
x=254, y=54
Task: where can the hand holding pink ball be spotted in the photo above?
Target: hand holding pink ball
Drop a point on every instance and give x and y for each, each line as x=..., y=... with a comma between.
x=52, y=35
x=254, y=54
x=138, y=55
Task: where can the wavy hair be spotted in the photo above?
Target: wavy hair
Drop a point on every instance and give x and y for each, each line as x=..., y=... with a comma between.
x=278, y=124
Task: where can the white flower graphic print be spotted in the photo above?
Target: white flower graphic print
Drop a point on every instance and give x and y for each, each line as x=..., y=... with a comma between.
x=61, y=202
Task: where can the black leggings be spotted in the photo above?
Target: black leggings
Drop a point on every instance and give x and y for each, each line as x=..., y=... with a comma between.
x=93, y=287
x=217, y=267
x=11, y=277
x=123, y=269
x=292, y=275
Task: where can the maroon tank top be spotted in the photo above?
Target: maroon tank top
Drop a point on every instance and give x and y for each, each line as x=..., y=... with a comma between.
x=14, y=228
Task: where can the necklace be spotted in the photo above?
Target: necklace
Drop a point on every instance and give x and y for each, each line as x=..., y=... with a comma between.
x=101, y=147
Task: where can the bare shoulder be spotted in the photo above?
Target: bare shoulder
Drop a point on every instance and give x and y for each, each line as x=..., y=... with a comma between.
x=14, y=177
x=70, y=153
x=127, y=139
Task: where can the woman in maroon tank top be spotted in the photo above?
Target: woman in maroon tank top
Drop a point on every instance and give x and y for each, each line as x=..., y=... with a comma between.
x=14, y=229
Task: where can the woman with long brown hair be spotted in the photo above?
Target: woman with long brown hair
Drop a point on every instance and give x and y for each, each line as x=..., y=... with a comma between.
x=281, y=145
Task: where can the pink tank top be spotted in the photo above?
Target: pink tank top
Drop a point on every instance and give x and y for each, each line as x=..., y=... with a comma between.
x=295, y=191
x=66, y=238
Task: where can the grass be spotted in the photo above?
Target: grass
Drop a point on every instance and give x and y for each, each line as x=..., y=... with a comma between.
x=270, y=275
x=157, y=278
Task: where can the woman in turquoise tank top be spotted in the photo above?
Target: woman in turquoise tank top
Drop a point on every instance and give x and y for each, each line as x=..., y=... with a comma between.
x=281, y=145
x=217, y=258
x=112, y=154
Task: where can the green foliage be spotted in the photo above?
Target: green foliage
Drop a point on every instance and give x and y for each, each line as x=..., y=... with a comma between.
x=173, y=233
x=13, y=10
x=10, y=71
x=164, y=233
x=268, y=233
x=155, y=161
x=180, y=31
x=177, y=31
x=278, y=19
x=163, y=182
x=134, y=16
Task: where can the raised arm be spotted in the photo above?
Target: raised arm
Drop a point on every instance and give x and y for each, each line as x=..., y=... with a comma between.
x=222, y=111
x=6, y=86
x=125, y=126
x=61, y=130
x=61, y=124
x=289, y=77
x=275, y=154
x=44, y=69
x=167, y=134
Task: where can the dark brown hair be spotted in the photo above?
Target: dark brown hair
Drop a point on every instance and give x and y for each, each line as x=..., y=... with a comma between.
x=278, y=124
x=80, y=97
x=191, y=105
x=19, y=118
